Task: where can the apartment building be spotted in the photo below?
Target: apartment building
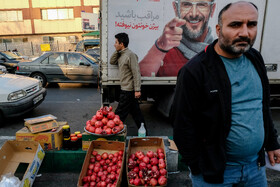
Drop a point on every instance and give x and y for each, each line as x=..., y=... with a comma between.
x=44, y=20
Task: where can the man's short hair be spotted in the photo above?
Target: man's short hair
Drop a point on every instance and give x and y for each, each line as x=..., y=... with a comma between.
x=226, y=8
x=122, y=38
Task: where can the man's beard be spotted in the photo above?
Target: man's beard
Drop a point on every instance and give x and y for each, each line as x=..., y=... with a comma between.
x=191, y=34
x=233, y=49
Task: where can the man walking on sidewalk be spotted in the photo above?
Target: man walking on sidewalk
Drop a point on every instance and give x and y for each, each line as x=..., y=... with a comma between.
x=130, y=79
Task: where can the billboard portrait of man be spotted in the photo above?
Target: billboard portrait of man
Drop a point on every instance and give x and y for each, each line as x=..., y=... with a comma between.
x=182, y=38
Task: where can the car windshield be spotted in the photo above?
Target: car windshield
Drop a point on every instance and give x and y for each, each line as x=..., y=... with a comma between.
x=90, y=58
x=10, y=55
x=94, y=51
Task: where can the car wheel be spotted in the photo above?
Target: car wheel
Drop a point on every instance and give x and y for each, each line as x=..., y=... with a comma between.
x=40, y=77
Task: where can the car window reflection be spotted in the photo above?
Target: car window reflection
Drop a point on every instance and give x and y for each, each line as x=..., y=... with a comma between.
x=56, y=59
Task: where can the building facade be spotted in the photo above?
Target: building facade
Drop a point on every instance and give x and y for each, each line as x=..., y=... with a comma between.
x=44, y=21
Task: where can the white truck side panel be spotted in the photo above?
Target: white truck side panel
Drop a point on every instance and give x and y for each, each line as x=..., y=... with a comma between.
x=271, y=39
x=144, y=20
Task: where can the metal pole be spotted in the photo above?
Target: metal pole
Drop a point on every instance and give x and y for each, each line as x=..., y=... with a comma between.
x=6, y=46
x=32, y=48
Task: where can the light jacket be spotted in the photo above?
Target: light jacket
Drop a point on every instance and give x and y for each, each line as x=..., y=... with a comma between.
x=201, y=113
x=129, y=71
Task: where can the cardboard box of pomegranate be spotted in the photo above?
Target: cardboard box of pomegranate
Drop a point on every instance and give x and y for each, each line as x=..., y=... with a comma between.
x=49, y=140
x=87, y=138
x=146, y=162
x=103, y=164
x=21, y=159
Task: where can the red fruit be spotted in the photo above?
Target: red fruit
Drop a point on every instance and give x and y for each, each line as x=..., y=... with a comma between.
x=85, y=179
x=97, y=164
x=163, y=171
x=121, y=152
x=98, y=157
x=96, y=169
x=109, y=169
x=116, y=120
x=116, y=129
x=89, y=172
x=93, y=177
x=149, y=166
x=98, y=131
x=92, y=129
x=121, y=126
x=111, y=156
x=105, y=127
x=161, y=165
x=94, y=153
x=146, y=160
x=104, y=121
x=100, y=174
x=161, y=155
x=131, y=181
x=88, y=122
x=111, y=124
x=114, y=168
x=162, y=180
x=108, y=130
x=98, y=124
x=119, y=164
x=92, y=183
x=136, y=169
x=112, y=176
x=140, y=155
x=105, y=110
x=105, y=167
x=102, y=184
x=154, y=168
x=153, y=182
x=102, y=162
x=88, y=126
x=132, y=156
x=92, y=160
x=93, y=120
x=150, y=154
x=91, y=166
x=161, y=160
x=160, y=150
x=154, y=161
x=137, y=182
x=104, y=155
x=142, y=165
x=111, y=115
x=99, y=115
x=110, y=108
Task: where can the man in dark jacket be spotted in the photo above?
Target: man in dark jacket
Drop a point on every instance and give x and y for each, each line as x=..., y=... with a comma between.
x=222, y=121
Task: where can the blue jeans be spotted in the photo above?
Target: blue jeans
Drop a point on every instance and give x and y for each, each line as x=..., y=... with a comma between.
x=239, y=176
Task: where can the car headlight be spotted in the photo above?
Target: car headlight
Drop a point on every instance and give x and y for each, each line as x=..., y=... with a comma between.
x=40, y=85
x=16, y=95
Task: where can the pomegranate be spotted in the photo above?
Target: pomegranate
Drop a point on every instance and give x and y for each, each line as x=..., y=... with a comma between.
x=153, y=182
x=111, y=115
x=99, y=115
x=104, y=121
x=111, y=124
x=163, y=171
x=98, y=124
x=150, y=154
x=162, y=180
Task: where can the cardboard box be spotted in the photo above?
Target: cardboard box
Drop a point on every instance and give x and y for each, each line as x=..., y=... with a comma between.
x=144, y=145
x=48, y=140
x=13, y=153
x=101, y=147
x=41, y=123
x=87, y=138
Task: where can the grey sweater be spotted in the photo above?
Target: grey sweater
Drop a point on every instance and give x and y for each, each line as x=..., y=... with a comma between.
x=129, y=71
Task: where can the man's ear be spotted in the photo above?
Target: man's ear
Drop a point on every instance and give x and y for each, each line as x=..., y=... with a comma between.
x=218, y=29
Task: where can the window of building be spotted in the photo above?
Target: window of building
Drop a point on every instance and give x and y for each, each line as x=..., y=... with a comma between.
x=12, y=15
x=95, y=10
x=54, y=14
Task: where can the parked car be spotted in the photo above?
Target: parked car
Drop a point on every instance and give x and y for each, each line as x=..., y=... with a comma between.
x=10, y=60
x=20, y=55
x=94, y=52
x=83, y=45
x=19, y=95
x=61, y=67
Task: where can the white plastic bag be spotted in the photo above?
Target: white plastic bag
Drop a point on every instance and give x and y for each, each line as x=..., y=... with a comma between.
x=9, y=180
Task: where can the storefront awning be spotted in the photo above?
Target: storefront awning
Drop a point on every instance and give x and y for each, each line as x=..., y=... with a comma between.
x=94, y=33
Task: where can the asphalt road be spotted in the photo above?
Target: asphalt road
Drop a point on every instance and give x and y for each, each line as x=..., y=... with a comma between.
x=77, y=103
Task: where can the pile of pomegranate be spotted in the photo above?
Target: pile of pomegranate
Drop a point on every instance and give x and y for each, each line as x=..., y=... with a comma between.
x=147, y=170
x=105, y=121
x=104, y=169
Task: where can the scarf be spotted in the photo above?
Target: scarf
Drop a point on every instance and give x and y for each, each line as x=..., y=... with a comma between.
x=191, y=48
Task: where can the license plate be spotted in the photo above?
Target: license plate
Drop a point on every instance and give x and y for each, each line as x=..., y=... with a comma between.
x=37, y=99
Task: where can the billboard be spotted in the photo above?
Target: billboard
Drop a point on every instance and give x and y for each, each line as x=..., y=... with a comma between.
x=89, y=21
x=145, y=20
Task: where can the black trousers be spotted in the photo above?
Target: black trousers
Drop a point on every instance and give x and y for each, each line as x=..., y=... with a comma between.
x=128, y=104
